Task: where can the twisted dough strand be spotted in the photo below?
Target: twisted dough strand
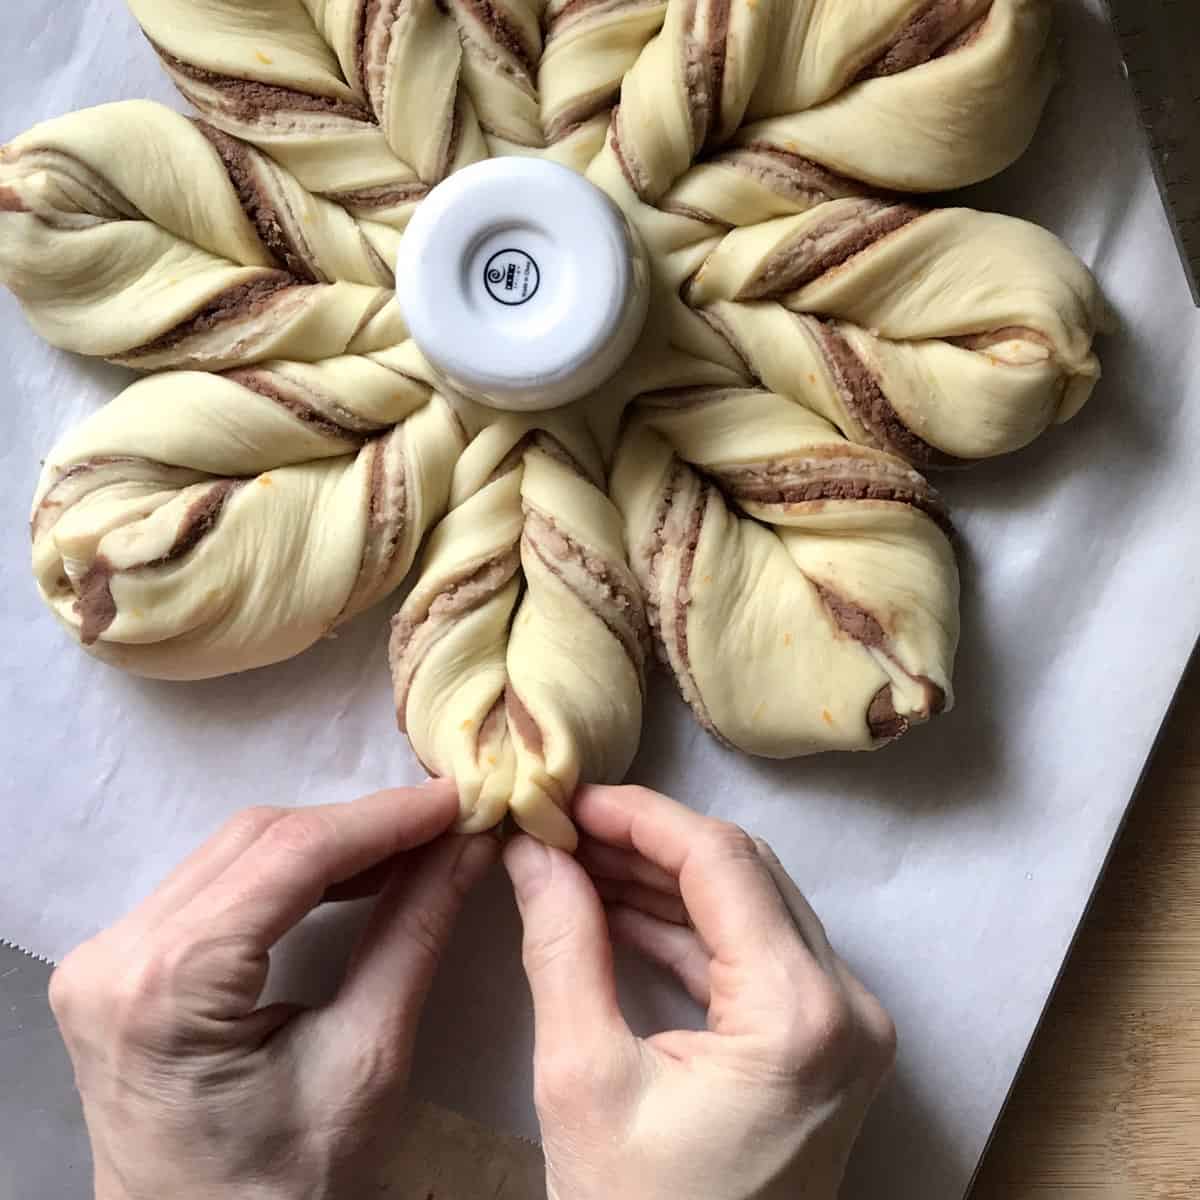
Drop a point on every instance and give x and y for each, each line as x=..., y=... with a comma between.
x=912, y=113
x=828, y=621
x=132, y=233
x=519, y=654
x=202, y=524
x=264, y=73
x=900, y=95
x=939, y=336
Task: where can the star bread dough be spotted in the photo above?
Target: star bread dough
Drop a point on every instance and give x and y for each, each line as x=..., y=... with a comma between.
x=744, y=498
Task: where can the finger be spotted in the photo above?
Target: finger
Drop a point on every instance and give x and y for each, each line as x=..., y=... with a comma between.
x=284, y=874
x=566, y=951
x=730, y=895
x=608, y=862
x=807, y=922
x=393, y=965
x=204, y=865
x=644, y=899
x=671, y=946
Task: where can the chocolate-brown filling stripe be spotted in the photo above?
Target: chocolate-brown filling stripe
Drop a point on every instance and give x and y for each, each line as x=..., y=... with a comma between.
x=717, y=48
x=547, y=443
x=248, y=100
x=386, y=522
x=883, y=721
x=657, y=543
x=624, y=160
x=832, y=473
x=368, y=14
x=849, y=488
x=703, y=64
x=797, y=175
x=674, y=622
x=634, y=637
x=794, y=266
x=522, y=722
x=577, y=114
x=384, y=196
x=866, y=402
x=277, y=236
x=968, y=37
x=96, y=606
x=930, y=31
x=10, y=201
x=260, y=381
x=864, y=627
x=506, y=34
x=244, y=299
x=461, y=594
x=49, y=504
x=682, y=600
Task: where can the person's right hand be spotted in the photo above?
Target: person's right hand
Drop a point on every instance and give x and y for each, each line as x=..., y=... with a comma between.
x=766, y=1102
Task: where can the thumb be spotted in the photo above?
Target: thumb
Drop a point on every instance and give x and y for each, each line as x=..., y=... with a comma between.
x=567, y=952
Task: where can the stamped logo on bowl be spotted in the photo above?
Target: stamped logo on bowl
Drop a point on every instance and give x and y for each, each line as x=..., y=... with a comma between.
x=511, y=277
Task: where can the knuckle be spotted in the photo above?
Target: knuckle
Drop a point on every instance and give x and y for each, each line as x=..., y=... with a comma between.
x=146, y=1002
x=819, y=1033
x=251, y=823
x=153, y=976
x=724, y=840
x=371, y=1067
x=70, y=981
x=882, y=1034
x=300, y=833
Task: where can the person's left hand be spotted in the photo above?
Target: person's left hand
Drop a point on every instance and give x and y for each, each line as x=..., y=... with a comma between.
x=190, y=1089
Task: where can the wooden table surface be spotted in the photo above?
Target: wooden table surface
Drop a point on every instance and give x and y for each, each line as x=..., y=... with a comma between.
x=1108, y=1106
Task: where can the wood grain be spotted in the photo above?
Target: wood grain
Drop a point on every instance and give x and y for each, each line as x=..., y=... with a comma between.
x=1108, y=1106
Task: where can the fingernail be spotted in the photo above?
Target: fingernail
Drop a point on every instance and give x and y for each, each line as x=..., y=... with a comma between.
x=476, y=857
x=528, y=864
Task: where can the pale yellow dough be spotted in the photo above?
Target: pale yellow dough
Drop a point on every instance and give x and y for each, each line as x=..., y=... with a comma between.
x=744, y=496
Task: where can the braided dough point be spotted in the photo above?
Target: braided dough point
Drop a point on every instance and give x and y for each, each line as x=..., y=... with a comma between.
x=980, y=326
x=934, y=108
x=519, y=654
x=811, y=341
x=828, y=622
x=127, y=237
x=200, y=524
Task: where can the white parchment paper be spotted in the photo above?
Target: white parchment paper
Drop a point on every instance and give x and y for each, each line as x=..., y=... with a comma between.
x=952, y=869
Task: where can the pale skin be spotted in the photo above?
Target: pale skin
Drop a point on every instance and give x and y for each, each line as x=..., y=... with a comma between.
x=193, y=1090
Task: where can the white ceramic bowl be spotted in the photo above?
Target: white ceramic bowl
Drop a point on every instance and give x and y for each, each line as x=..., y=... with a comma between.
x=522, y=283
